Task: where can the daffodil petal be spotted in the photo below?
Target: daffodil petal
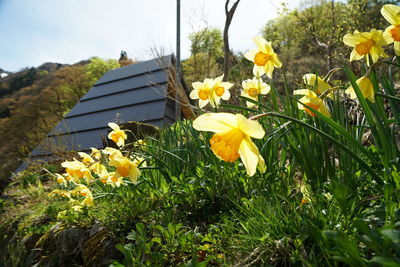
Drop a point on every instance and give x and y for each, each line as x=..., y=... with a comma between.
x=397, y=48
x=309, y=79
x=258, y=71
x=219, y=79
x=350, y=91
x=265, y=89
x=261, y=43
x=250, y=54
x=215, y=122
x=276, y=60
x=197, y=85
x=391, y=13
x=374, y=54
x=261, y=164
x=305, y=92
x=352, y=40
x=113, y=126
x=250, y=127
x=387, y=34
x=355, y=56
x=250, y=156
x=226, y=95
x=203, y=103
x=194, y=94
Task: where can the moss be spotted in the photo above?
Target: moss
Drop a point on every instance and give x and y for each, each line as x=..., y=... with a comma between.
x=99, y=249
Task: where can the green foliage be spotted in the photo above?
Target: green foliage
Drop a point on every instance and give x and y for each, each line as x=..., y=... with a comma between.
x=208, y=41
x=206, y=54
x=23, y=80
x=98, y=67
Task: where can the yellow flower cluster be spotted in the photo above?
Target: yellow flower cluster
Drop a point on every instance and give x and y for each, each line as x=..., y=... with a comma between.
x=108, y=166
x=233, y=132
x=369, y=45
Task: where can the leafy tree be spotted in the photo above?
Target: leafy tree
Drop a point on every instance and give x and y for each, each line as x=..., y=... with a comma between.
x=98, y=67
x=312, y=37
x=206, y=53
x=23, y=80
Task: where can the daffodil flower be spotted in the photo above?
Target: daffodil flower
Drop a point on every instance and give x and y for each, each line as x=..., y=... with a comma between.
x=95, y=153
x=59, y=192
x=77, y=170
x=366, y=87
x=392, y=33
x=221, y=89
x=98, y=168
x=254, y=87
x=86, y=158
x=232, y=138
x=111, y=178
x=211, y=91
x=264, y=58
x=85, y=192
x=366, y=43
x=117, y=135
x=60, y=179
x=125, y=168
x=112, y=153
x=320, y=85
x=311, y=99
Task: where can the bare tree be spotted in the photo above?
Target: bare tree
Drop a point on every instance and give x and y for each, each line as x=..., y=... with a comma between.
x=229, y=12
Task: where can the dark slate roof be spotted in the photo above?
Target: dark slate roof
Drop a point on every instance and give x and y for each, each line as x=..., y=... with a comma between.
x=135, y=92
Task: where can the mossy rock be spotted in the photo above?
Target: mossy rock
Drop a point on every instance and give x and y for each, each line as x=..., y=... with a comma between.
x=99, y=249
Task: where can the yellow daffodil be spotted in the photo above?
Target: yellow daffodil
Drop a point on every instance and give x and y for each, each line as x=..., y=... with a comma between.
x=125, y=168
x=366, y=43
x=221, y=89
x=264, y=58
x=112, y=179
x=88, y=201
x=85, y=192
x=112, y=153
x=77, y=170
x=316, y=81
x=86, y=158
x=211, y=91
x=95, y=153
x=310, y=99
x=98, y=168
x=117, y=135
x=254, y=87
x=59, y=192
x=61, y=179
x=232, y=138
x=366, y=87
x=392, y=33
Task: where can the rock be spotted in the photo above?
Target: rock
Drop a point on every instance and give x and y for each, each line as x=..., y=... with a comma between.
x=69, y=246
x=99, y=249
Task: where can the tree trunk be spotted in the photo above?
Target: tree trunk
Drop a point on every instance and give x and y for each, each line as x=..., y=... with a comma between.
x=227, y=52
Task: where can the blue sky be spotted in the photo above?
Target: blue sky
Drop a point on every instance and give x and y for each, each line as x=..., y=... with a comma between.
x=36, y=31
